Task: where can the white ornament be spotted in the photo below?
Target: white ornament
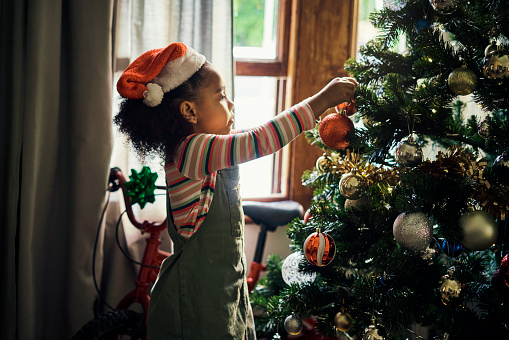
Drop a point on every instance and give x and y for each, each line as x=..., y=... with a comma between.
x=290, y=270
x=395, y=5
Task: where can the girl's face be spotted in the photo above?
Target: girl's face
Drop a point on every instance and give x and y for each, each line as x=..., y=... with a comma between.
x=213, y=110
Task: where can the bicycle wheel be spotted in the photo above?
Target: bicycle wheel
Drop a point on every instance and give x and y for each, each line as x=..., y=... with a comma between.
x=116, y=325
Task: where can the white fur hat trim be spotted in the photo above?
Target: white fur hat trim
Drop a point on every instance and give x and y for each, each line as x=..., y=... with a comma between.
x=178, y=71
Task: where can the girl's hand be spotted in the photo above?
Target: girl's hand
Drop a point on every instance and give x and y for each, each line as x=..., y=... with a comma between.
x=337, y=91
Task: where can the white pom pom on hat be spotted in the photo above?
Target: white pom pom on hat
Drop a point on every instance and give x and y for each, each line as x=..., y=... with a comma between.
x=154, y=95
x=159, y=71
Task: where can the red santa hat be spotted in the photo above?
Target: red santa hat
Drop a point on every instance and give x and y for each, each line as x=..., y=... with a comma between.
x=159, y=71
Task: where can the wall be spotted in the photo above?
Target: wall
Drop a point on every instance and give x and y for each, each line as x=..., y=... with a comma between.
x=320, y=43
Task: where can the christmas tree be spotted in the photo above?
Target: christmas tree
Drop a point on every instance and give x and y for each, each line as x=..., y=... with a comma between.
x=393, y=239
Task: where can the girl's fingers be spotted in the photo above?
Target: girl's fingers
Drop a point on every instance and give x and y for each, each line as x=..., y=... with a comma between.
x=352, y=80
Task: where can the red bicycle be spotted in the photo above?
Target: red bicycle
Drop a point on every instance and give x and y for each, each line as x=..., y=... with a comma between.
x=124, y=322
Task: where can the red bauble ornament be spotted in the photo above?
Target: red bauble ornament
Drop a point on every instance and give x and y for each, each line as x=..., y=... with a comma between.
x=499, y=282
x=319, y=249
x=346, y=108
x=307, y=216
x=504, y=269
x=333, y=130
x=504, y=264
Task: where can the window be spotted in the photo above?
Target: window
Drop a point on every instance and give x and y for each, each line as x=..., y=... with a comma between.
x=366, y=31
x=260, y=50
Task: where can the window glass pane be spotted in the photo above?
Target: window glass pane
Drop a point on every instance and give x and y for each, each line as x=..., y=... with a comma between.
x=255, y=104
x=366, y=31
x=255, y=29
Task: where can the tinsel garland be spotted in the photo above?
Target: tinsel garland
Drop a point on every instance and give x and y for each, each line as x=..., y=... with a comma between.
x=371, y=173
x=492, y=196
x=456, y=161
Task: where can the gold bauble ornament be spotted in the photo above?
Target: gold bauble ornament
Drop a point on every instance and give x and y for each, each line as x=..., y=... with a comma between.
x=450, y=288
x=293, y=324
x=343, y=321
x=324, y=163
x=462, y=81
x=371, y=333
x=480, y=230
x=351, y=186
x=496, y=66
x=492, y=47
x=408, y=153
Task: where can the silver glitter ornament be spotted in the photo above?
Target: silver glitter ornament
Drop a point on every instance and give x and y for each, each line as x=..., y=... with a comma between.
x=343, y=321
x=444, y=6
x=351, y=186
x=413, y=231
x=408, y=153
x=462, y=81
x=395, y=5
x=293, y=324
x=480, y=230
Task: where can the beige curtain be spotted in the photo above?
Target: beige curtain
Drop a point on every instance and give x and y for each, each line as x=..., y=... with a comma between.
x=55, y=132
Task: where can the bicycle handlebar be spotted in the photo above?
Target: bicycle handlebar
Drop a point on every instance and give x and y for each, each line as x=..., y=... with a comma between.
x=117, y=181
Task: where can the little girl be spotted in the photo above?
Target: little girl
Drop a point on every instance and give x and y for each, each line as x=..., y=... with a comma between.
x=176, y=107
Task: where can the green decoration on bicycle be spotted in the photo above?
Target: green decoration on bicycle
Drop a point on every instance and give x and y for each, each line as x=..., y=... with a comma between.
x=141, y=186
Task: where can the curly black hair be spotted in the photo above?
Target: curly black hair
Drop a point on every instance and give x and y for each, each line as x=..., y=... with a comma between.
x=157, y=131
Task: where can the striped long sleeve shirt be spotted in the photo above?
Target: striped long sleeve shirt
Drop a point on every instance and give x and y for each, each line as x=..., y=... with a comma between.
x=191, y=176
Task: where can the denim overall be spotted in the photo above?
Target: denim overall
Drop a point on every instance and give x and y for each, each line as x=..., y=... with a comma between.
x=201, y=291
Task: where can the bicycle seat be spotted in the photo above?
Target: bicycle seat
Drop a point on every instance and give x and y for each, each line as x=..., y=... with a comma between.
x=272, y=214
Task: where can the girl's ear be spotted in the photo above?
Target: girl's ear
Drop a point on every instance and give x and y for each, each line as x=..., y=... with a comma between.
x=187, y=109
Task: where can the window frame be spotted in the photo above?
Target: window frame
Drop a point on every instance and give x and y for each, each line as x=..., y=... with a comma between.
x=271, y=67
x=277, y=68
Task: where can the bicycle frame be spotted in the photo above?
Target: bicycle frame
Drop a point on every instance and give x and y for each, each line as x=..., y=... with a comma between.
x=152, y=256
